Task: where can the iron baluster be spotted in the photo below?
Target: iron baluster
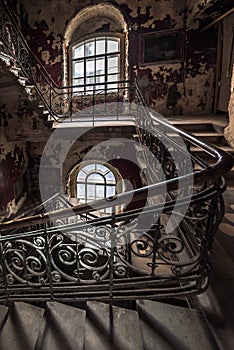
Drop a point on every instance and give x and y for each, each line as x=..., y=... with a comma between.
x=3, y=275
x=48, y=261
x=112, y=254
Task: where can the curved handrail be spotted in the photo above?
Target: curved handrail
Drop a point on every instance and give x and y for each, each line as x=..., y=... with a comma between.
x=223, y=161
x=63, y=260
x=223, y=164
x=31, y=66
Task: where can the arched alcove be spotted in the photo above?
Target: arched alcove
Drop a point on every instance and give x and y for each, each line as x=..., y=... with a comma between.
x=93, y=21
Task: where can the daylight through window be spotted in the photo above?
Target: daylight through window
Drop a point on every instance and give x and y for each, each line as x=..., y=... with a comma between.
x=95, y=181
x=96, y=60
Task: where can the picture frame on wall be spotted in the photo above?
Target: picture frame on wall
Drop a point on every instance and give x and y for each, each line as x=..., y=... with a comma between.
x=161, y=46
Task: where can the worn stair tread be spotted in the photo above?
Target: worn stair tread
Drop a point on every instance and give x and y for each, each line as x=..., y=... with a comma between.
x=3, y=312
x=123, y=335
x=21, y=328
x=169, y=327
x=62, y=328
x=208, y=134
x=225, y=148
x=215, y=119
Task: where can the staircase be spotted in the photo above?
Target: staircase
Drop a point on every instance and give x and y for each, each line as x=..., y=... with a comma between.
x=147, y=325
x=33, y=125
x=208, y=129
x=85, y=264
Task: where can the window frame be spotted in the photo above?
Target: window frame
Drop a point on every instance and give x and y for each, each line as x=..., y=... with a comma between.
x=73, y=177
x=121, y=54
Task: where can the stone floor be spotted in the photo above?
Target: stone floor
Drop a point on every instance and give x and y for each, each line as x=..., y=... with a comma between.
x=226, y=229
x=218, y=300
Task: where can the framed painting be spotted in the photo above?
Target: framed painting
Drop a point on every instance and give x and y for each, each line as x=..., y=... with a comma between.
x=163, y=46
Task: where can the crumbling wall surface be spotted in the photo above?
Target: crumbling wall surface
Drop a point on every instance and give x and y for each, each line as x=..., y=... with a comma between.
x=13, y=164
x=19, y=123
x=181, y=87
x=229, y=131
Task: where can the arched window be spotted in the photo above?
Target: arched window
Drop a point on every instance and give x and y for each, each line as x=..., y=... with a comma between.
x=96, y=48
x=95, y=181
x=96, y=60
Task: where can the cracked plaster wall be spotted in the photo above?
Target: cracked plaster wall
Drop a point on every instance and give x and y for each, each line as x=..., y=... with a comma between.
x=229, y=131
x=13, y=164
x=189, y=84
x=19, y=123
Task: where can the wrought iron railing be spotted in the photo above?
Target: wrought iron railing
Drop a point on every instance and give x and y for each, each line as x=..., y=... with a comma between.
x=85, y=261
x=120, y=256
x=61, y=102
x=159, y=249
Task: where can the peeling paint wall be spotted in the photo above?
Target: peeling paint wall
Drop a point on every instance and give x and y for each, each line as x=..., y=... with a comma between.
x=229, y=131
x=19, y=123
x=103, y=144
x=184, y=87
x=13, y=165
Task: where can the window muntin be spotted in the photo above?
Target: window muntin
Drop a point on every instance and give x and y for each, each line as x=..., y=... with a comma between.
x=95, y=181
x=96, y=60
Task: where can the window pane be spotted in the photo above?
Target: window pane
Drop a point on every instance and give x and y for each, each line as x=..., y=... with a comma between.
x=110, y=178
x=90, y=48
x=80, y=191
x=96, y=178
x=81, y=176
x=112, y=45
x=90, y=192
x=78, y=69
x=101, y=87
x=100, y=46
x=110, y=191
x=100, y=192
x=113, y=86
x=100, y=66
x=90, y=69
x=100, y=79
x=102, y=168
x=88, y=168
x=78, y=52
x=112, y=77
x=77, y=82
x=90, y=80
x=113, y=64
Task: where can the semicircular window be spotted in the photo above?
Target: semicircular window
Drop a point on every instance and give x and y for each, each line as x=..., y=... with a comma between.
x=95, y=181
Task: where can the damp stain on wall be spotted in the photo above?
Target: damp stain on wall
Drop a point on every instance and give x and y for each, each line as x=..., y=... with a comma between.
x=13, y=164
x=44, y=26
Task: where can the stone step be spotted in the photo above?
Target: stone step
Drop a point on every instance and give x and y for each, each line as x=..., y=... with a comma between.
x=3, y=314
x=122, y=333
x=170, y=327
x=5, y=58
x=62, y=328
x=223, y=147
x=152, y=326
x=16, y=71
x=195, y=127
x=21, y=329
x=22, y=81
x=208, y=136
x=214, y=119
